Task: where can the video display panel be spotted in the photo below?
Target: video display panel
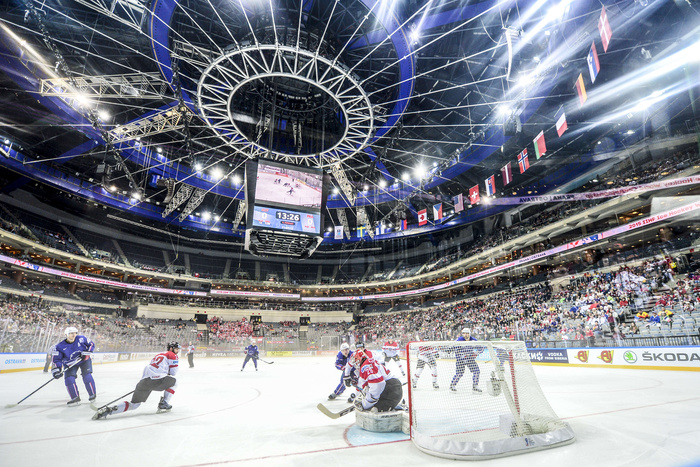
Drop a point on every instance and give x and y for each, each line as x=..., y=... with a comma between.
x=286, y=219
x=277, y=184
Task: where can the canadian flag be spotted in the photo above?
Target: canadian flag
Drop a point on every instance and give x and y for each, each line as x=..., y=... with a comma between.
x=423, y=217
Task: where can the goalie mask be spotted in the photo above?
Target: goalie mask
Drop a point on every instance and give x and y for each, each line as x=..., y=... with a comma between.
x=359, y=357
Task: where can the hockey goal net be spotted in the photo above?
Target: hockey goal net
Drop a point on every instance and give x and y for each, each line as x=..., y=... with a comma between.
x=495, y=408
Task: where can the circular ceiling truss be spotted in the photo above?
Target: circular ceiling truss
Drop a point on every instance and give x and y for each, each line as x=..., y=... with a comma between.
x=310, y=83
x=277, y=100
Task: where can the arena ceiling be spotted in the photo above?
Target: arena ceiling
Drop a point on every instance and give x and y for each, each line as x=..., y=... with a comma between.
x=403, y=102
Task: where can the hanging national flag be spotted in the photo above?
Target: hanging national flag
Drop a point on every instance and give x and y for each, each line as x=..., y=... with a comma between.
x=507, y=174
x=338, y=232
x=523, y=161
x=403, y=224
x=361, y=231
x=560, y=117
x=458, y=201
x=380, y=229
x=605, y=30
x=423, y=217
x=474, y=194
x=540, y=148
x=490, y=185
x=593, y=63
x=437, y=212
x=581, y=90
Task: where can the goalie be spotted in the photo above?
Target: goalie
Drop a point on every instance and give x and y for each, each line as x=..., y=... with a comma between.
x=382, y=390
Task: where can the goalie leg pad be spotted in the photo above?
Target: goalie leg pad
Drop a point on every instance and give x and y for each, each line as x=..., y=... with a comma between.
x=381, y=422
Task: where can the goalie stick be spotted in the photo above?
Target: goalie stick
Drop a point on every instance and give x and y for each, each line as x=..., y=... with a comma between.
x=335, y=415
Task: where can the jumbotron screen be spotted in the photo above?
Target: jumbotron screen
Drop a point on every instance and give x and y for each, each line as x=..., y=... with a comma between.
x=284, y=197
x=279, y=184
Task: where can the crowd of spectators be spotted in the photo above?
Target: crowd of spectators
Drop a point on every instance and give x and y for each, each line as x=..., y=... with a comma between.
x=595, y=305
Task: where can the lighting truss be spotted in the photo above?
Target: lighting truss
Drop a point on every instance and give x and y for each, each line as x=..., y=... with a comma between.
x=363, y=219
x=161, y=122
x=182, y=195
x=194, y=202
x=132, y=85
x=344, y=222
x=129, y=12
x=345, y=185
x=240, y=212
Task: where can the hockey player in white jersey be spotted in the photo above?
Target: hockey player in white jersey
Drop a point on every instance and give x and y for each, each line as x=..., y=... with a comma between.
x=390, y=349
x=426, y=356
x=159, y=375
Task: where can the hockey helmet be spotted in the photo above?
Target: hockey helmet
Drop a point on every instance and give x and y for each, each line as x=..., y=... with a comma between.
x=466, y=331
x=174, y=345
x=70, y=330
x=359, y=345
x=359, y=357
x=344, y=346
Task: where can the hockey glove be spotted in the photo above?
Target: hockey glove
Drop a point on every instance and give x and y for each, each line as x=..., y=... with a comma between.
x=358, y=404
x=347, y=380
x=57, y=373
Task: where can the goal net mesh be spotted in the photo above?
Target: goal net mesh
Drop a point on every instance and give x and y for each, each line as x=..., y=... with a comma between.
x=476, y=400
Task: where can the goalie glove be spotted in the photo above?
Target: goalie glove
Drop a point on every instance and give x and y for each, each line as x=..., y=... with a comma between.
x=56, y=373
x=358, y=404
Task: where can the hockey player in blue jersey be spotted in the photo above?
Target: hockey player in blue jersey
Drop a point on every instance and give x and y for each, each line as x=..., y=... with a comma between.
x=251, y=352
x=341, y=360
x=466, y=358
x=74, y=350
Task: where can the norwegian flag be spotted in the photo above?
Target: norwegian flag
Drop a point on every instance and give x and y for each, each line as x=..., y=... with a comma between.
x=490, y=185
x=474, y=194
x=523, y=162
x=507, y=174
x=605, y=30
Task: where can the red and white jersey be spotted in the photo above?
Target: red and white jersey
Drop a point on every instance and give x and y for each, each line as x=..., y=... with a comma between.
x=372, y=376
x=161, y=365
x=390, y=348
x=427, y=352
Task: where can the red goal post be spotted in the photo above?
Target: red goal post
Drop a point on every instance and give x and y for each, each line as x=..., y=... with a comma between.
x=473, y=400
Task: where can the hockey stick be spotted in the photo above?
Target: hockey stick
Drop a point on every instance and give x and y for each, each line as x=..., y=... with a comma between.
x=335, y=415
x=95, y=408
x=269, y=363
x=9, y=406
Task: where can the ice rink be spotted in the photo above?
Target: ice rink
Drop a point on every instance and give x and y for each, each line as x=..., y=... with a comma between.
x=222, y=416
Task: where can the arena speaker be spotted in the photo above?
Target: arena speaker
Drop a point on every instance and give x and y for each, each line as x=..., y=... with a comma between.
x=512, y=126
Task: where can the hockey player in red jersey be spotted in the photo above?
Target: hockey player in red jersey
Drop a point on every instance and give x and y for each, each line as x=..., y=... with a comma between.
x=426, y=356
x=382, y=391
x=159, y=375
x=391, y=352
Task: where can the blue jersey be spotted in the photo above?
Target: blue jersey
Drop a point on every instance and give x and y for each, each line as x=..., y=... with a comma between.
x=341, y=360
x=64, y=353
x=252, y=350
x=467, y=353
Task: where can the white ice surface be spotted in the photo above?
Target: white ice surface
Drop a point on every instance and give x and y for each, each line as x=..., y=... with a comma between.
x=222, y=416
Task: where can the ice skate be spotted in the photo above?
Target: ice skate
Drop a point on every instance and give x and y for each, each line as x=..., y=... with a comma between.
x=453, y=388
x=476, y=389
x=351, y=399
x=103, y=413
x=332, y=396
x=92, y=398
x=163, y=406
x=74, y=402
x=414, y=383
x=435, y=386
